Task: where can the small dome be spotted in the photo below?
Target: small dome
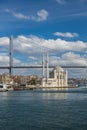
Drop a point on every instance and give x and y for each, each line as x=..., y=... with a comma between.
x=59, y=69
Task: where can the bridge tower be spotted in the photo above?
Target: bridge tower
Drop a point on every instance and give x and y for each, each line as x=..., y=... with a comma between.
x=10, y=54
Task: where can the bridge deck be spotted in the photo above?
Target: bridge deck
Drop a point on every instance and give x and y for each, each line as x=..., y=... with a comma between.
x=17, y=67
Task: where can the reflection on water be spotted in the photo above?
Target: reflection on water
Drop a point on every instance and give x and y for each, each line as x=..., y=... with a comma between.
x=53, y=93
x=47, y=109
x=55, y=89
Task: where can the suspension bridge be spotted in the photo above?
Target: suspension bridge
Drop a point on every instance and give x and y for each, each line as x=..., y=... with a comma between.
x=10, y=67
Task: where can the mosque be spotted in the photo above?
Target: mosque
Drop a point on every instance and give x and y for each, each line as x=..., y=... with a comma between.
x=56, y=78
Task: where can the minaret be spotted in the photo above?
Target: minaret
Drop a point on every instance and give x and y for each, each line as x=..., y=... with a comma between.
x=11, y=55
x=47, y=67
x=43, y=66
x=66, y=78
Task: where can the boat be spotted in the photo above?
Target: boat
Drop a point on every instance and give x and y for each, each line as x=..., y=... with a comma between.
x=3, y=87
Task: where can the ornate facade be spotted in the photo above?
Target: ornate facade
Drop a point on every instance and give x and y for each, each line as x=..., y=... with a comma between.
x=57, y=78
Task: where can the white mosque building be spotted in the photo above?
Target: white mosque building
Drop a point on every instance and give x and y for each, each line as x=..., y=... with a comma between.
x=56, y=78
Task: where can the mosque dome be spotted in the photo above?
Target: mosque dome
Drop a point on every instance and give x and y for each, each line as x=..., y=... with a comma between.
x=59, y=69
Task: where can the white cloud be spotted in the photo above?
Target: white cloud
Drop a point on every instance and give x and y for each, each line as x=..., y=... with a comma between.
x=34, y=44
x=4, y=41
x=69, y=58
x=17, y=15
x=22, y=44
x=41, y=15
x=61, y=1
x=4, y=60
x=74, y=59
x=32, y=58
x=67, y=34
x=21, y=16
x=76, y=14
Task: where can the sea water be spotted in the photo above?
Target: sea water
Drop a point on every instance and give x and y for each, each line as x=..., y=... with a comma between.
x=46, y=109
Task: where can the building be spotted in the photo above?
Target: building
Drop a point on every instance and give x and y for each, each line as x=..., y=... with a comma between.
x=57, y=78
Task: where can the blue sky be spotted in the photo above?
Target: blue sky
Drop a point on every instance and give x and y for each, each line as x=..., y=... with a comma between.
x=55, y=26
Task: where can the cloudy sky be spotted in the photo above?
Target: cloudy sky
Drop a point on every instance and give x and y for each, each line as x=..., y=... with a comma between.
x=58, y=27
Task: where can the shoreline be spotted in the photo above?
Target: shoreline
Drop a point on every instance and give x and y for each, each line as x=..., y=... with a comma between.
x=36, y=87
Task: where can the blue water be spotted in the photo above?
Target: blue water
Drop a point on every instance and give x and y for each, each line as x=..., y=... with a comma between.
x=44, y=110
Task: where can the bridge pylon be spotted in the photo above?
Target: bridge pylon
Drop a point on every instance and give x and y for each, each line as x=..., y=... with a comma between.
x=10, y=55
